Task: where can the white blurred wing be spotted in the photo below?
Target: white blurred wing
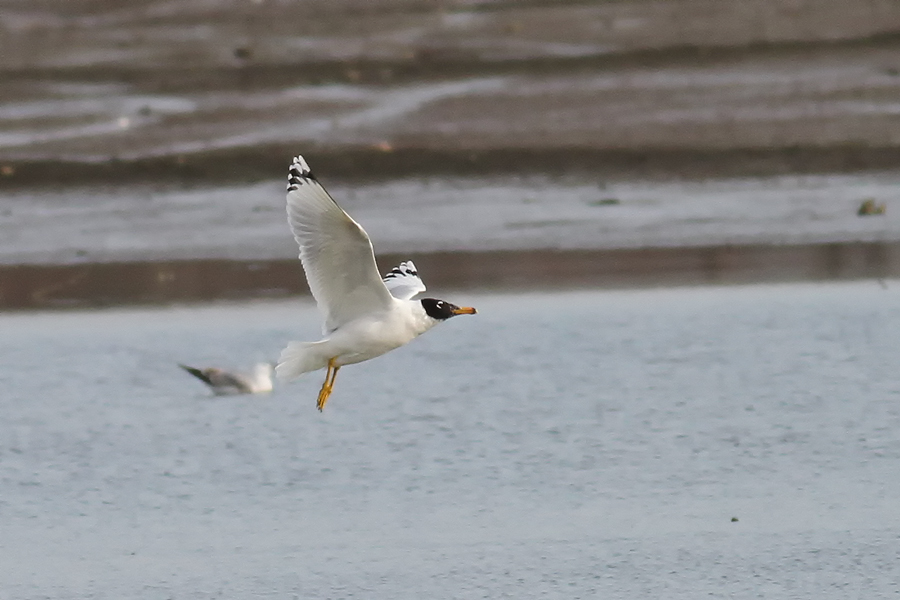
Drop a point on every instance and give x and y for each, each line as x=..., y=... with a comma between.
x=403, y=281
x=335, y=251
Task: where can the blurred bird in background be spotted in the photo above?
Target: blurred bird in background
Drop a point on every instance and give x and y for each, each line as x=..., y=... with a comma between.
x=225, y=383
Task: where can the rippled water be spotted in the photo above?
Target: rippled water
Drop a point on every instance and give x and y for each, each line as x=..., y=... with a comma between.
x=569, y=445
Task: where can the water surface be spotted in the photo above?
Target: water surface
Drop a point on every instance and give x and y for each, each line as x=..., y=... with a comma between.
x=589, y=444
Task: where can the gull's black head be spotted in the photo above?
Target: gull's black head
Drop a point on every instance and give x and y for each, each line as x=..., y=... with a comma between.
x=442, y=310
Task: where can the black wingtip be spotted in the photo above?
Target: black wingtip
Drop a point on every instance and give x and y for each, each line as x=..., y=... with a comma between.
x=196, y=373
x=299, y=174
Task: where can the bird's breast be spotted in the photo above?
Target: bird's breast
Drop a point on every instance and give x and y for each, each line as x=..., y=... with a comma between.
x=366, y=338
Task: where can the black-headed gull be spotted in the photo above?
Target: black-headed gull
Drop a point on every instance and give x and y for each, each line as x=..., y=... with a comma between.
x=365, y=315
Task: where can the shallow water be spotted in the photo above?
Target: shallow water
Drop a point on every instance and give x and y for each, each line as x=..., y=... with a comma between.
x=590, y=444
x=432, y=214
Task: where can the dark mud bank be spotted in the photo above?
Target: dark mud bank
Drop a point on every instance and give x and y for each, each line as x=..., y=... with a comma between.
x=111, y=284
x=241, y=165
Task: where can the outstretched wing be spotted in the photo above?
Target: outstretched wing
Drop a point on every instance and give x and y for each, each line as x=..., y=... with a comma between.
x=403, y=281
x=335, y=251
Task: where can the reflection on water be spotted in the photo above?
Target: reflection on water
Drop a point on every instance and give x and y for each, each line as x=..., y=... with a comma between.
x=558, y=445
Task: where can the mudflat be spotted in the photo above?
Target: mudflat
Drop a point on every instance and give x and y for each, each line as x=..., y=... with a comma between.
x=143, y=146
x=197, y=91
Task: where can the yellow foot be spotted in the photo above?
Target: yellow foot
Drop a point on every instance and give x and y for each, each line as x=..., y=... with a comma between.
x=325, y=392
x=323, y=397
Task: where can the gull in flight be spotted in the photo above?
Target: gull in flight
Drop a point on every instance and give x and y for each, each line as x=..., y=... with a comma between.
x=224, y=383
x=365, y=315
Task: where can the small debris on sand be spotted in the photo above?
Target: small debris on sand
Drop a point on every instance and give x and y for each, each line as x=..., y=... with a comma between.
x=870, y=207
x=605, y=202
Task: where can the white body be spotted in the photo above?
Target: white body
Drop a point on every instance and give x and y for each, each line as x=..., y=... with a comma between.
x=260, y=379
x=359, y=340
x=364, y=315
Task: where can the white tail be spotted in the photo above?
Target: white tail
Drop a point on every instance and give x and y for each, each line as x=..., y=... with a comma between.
x=299, y=358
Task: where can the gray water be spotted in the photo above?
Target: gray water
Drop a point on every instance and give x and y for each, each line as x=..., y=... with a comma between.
x=419, y=215
x=557, y=445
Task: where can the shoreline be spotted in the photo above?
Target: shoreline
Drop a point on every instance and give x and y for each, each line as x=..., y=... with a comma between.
x=101, y=285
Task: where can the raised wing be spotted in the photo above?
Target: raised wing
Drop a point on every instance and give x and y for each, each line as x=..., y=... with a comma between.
x=335, y=251
x=403, y=281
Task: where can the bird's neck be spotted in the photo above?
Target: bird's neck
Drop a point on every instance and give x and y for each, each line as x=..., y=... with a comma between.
x=421, y=321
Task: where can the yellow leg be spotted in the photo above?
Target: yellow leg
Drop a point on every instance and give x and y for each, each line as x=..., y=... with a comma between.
x=330, y=376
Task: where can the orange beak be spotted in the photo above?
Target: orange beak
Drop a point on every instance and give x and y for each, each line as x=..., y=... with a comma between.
x=465, y=310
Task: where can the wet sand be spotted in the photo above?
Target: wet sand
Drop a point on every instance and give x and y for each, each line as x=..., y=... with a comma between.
x=99, y=98
x=195, y=92
x=132, y=244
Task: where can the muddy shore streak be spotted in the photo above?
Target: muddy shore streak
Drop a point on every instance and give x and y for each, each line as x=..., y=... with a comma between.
x=108, y=284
